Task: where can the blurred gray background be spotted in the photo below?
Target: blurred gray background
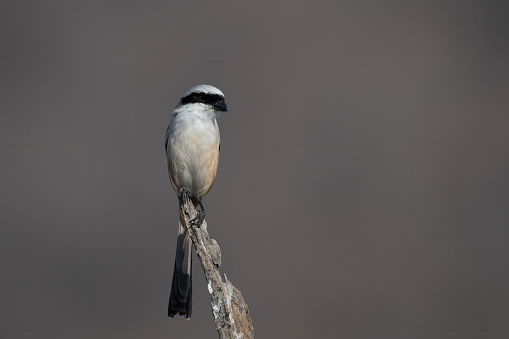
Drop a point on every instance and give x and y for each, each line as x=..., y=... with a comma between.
x=362, y=190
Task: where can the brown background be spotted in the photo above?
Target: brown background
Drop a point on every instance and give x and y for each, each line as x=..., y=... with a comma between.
x=363, y=186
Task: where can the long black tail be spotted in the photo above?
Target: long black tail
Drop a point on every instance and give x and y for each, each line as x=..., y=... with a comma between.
x=181, y=286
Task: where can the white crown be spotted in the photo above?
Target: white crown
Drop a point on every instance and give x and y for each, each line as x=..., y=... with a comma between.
x=203, y=89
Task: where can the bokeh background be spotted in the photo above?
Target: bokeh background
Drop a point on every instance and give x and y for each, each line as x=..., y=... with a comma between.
x=362, y=190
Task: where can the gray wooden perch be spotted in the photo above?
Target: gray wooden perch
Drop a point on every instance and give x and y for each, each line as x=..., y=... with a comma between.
x=231, y=313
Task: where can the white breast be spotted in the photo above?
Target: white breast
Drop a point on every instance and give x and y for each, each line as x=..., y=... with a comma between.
x=193, y=149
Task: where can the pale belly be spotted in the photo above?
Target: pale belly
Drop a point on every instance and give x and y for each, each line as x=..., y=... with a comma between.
x=193, y=156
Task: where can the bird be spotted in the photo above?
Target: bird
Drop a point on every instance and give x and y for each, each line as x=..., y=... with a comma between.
x=192, y=151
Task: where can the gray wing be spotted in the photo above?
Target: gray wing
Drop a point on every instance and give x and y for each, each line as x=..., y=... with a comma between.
x=173, y=115
x=166, y=139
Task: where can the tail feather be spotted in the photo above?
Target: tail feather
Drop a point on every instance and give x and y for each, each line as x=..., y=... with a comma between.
x=181, y=286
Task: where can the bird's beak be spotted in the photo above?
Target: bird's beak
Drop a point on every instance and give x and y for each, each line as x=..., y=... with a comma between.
x=221, y=106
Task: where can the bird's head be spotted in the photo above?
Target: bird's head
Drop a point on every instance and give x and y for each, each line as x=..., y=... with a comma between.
x=206, y=95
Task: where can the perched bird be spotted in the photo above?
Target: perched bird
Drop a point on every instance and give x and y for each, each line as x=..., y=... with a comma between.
x=192, y=150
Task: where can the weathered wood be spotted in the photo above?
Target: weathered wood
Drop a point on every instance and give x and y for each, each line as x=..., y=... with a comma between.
x=231, y=313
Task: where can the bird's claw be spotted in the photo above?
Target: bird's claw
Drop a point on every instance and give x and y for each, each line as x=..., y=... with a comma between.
x=197, y=221
x=200, y=216
x=183, y=195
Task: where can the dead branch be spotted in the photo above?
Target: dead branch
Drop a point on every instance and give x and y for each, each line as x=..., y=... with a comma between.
x=231, y=313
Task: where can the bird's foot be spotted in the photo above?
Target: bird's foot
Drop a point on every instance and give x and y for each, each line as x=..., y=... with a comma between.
x=200, y=216
x=183, y=195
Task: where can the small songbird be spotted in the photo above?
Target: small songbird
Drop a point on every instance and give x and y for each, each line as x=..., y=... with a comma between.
x=192, y=150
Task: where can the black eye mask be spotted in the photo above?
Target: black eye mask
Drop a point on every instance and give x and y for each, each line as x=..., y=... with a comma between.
x=204, y=98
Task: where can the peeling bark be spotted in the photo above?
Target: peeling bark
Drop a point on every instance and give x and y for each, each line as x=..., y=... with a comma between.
x=231, y=313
